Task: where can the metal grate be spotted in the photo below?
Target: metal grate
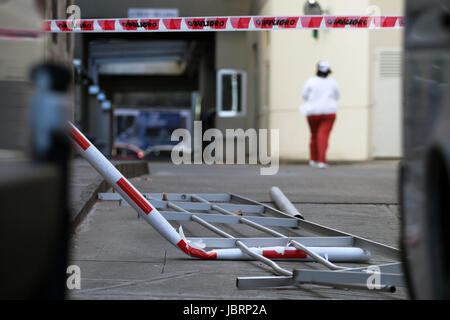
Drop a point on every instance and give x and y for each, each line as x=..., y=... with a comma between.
x=390, y=64
x=228, y=208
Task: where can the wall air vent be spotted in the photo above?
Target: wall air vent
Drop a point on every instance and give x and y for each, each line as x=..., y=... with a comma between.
x=390, y=64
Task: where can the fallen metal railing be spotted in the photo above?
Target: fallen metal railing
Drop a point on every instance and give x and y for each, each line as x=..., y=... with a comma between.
x=336, y=246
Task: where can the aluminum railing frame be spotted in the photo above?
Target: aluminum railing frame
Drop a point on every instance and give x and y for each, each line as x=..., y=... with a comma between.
x=339, y=276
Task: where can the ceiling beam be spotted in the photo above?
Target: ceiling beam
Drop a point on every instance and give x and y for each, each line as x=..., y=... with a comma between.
x=124, y=83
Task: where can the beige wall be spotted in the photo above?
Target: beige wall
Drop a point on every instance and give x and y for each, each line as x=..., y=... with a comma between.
x=291, y=58
x=385, y=94
x=279, y=62
x=263, y=92
x=17, y=57
x=231, y=53
x=294, y=55
x=59, y=48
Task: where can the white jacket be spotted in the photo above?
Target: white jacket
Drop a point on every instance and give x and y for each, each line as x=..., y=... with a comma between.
x=321, y=95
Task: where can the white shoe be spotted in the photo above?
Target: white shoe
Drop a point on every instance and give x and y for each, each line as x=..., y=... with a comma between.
x=312, y=163
x=322, y=165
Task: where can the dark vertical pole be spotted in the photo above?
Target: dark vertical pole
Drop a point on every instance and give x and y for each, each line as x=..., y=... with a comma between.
x=50, y=113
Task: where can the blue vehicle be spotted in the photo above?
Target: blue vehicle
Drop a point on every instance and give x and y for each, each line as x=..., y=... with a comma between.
x=150, y=130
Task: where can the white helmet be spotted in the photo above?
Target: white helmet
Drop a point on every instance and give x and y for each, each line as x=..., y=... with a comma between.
x=323, y=66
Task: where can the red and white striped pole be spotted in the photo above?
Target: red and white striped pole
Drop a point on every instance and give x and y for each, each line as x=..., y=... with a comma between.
x=122, y=185
x=154, y=218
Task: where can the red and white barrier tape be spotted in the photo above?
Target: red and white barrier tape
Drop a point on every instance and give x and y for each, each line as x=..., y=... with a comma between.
x=6, y=33
x=249, y=23
x=154, y=218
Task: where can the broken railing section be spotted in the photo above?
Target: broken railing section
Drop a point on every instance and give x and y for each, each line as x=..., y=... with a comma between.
x=382, y=278
x=283, y=203
x=154, y=218
x=337, y=246
x=175, y=207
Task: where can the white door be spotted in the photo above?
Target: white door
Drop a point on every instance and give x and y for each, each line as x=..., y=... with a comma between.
x=387, y=104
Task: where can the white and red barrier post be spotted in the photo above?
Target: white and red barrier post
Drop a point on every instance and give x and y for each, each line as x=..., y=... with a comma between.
x=128, y=192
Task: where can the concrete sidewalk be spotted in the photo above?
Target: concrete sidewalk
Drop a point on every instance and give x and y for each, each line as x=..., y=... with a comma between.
x=85, y=183
x=122, y=257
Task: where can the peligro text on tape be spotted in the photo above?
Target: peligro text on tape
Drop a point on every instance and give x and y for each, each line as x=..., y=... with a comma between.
x=6, y=33
x=235, y=23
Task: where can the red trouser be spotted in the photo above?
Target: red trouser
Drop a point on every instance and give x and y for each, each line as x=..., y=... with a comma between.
x=320, y=126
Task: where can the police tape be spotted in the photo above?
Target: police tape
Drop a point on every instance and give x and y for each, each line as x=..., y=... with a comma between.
x=236, y=23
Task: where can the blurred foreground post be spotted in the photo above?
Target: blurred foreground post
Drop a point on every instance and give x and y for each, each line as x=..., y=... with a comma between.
x=50, y=146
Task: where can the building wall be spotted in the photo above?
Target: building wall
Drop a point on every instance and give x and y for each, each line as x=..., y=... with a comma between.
x=279, y=62
x=385, y=94
x=17, y=56
x=294, y=55
x=289, y=58
x=247, y=51
x=231, y=53
x=263, y=79
x=59, y=47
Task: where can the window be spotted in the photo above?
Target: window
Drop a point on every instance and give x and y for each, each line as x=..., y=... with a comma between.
x=231, y=93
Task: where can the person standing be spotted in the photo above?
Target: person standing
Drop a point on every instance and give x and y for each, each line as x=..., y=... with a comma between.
x=321, y=93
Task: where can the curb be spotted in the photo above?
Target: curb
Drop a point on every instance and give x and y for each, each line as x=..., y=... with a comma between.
x=129, y=169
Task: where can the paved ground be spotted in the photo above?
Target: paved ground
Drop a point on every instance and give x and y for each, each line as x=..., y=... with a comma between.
x=85, y=183
x=122, y=257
